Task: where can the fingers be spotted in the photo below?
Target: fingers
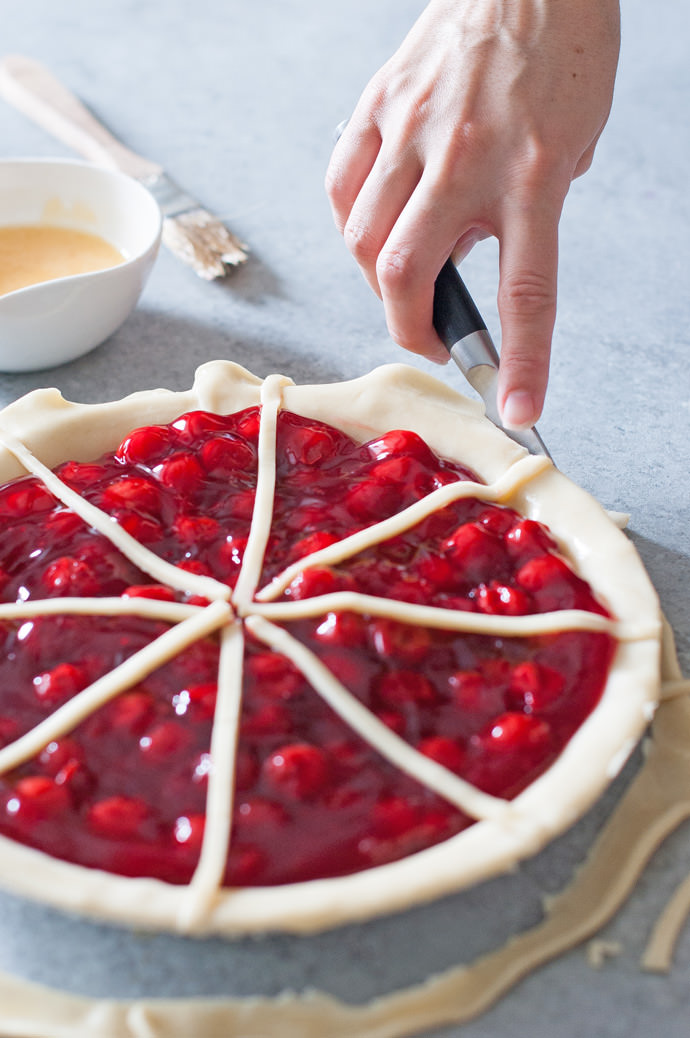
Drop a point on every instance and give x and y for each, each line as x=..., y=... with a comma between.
x=351, y=162
x=392, y=227
x=376, y=211
x=527, y=309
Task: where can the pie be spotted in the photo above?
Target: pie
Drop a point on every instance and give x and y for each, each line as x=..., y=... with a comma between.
x=281, y=657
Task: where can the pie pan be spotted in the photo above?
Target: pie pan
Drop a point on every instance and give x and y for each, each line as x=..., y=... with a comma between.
x=56, y=430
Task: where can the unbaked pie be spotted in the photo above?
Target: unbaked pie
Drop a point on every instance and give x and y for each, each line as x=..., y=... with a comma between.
x=280, y=657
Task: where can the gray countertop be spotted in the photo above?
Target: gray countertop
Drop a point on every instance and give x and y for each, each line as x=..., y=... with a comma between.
x=238, y=101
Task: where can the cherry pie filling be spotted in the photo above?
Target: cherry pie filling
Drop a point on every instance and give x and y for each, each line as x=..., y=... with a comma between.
x=126, y=789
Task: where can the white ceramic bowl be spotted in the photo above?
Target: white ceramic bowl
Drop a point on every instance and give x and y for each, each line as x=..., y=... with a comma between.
x=55, y=321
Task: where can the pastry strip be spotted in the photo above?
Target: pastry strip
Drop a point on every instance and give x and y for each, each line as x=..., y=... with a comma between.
x=378, y=735
x=132, y=670
x=518, y=475
x=146, y=560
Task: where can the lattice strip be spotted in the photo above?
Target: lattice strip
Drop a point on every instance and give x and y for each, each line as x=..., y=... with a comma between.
x=262, y=513
x=142, y=557
x=518, y=475
x=208, y=876
x=378, y=735
x=122, y=677
x=496, y=625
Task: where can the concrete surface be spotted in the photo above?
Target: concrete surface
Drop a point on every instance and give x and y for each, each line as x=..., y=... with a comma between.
x=238, y=101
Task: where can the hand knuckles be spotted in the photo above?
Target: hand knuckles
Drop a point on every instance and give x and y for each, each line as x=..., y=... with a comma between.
x=527, y=293
x=361, y=241
x=395, y=270
x=335, y=185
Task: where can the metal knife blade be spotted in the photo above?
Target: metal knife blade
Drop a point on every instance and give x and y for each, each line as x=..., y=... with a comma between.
x=466, y=337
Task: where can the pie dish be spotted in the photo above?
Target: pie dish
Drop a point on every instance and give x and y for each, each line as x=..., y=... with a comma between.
x=436, y=649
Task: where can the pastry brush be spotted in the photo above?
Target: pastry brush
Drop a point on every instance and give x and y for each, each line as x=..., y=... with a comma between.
x=191, y=232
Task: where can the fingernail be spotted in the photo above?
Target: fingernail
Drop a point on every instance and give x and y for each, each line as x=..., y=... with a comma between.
x=519, y=410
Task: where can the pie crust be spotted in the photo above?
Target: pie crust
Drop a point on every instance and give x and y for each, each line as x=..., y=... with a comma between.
x=42, y=429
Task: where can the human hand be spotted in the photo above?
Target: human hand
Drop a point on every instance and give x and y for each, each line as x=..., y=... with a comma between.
x=476, y=127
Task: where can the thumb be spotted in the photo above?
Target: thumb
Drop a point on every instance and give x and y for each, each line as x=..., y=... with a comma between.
x=527, y=309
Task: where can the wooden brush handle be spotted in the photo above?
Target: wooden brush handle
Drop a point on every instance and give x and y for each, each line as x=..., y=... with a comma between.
x=31, y=88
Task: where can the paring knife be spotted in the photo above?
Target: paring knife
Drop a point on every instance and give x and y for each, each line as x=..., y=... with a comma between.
x=463, y=332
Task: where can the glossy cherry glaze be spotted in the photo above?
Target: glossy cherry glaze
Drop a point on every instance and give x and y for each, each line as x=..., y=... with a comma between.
x=125, y=791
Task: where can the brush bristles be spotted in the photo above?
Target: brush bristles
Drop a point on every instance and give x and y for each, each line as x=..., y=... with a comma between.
x=202, y=241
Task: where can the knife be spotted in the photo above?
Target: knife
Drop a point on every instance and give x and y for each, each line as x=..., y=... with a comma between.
x=463, y=332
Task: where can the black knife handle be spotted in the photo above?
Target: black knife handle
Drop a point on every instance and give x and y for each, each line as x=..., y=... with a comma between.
x=455, y=312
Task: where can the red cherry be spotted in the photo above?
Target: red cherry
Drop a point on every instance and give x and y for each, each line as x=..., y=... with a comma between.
x=312, y=542
x=77, y=779
x=444, y=751
x=439, y=573
x=132, y=493
x=62, y=523
x=274, y=675
x=260, y=813
x=345, y=666
x=118, y=817
x=369, y=500
x=307, y=518
x=226, y=455
x=196, y=529
x=514, y=732
x=241, y=504
x=394, y=815
x=269, y=719
x=402, y=642
x=409, y=590
x=497, y=519
x=189, y=830
x=195, y=566
x=317, y=580
x=164, y=742
x=248, y=423
x=552, y=583
x=309, y=445
x=196, y=425
x=536, y=687
x=132, y=711
x=478, y=552
x=468, y=689
x=67, y=576
x=140, y=527
x=180, y=472
x=156, y=591
x=59, y=684
x=201, y=699
x=59, y=753
x=402, y=441
x=81, y=474
x=406, y=687
x=527, y=538
x=298, y=770
x=144, y=446
x=35, y=799
x=502, y=599
x=25, y=497
x=346, y=629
